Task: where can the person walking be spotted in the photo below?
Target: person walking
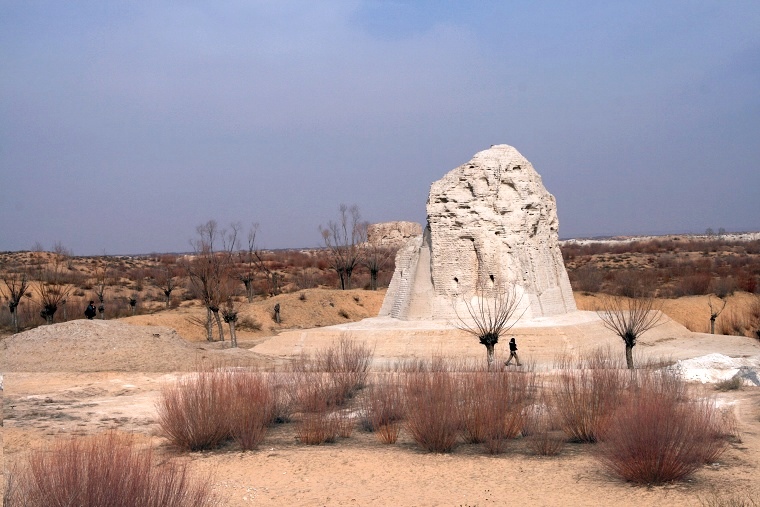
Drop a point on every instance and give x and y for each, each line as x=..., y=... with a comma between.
x=513, y=353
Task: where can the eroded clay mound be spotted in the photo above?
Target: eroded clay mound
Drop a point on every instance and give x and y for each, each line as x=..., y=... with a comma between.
x=97, y=345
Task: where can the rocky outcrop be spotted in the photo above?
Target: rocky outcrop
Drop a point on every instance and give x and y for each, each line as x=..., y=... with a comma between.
x=392, y=234
x=491, y=225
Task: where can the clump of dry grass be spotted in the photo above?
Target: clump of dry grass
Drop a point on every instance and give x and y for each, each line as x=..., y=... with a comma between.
x=588, y=392
x=431, y=414
x=193, y=412
x=656, y=437
x=107, y=470
x=732, y=500
x=319, y=426
x=492, y=406
x=543, y=435
x=733, y=384
x=383, y=408
x=333, y=376
x=252, y=408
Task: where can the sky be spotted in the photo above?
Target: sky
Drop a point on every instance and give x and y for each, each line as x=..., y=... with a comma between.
x=125, y=125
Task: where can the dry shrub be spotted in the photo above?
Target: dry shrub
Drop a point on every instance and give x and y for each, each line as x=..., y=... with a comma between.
x=248, y=323
x=735, y=383
x=431, y=414
x=733, y=322
x=346, y=423
x=546, y=443
x=493, y=405
x=693, y=285
x=285, y=395
x=333, y=376
x=723, y=286
x=252, y=408
x=318, y=427
x=587, y=278
x=654, y=437
x=383, y=409
x=587, y=395
x=721, y=500
x=192, y=413
x=541, y=428
x=105, y=471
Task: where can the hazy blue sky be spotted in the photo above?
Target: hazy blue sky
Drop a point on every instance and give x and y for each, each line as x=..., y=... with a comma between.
x=123, y=125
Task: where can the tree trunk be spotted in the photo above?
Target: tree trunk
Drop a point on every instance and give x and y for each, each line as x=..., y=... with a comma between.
x=373, y=279
x=209, y=326
x=219, y=324
x=233, y=336
x=629, y=356
x=248, y=289
x=14, y=319
x=489, y=354
x=342, y=280
x=712, y=325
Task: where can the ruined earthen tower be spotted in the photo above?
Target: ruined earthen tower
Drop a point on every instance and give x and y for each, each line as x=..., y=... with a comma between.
x=491, y=223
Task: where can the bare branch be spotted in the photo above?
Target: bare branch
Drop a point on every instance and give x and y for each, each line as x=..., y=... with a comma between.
x=629, y=318
x=492, y=314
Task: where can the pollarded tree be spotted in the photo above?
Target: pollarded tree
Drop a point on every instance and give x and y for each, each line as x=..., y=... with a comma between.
x=52, y=287
x=714, y=312
x=101, y=282
x=211, y=270
x=16, y=285
x=166, y=276
x=230, y=315
x=629, y=318
x=249, y=262
x=375, y=257
x=492, y=312
x=344, y=240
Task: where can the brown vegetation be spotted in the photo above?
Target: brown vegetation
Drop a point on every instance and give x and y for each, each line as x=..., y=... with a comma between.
x=108, y=470
x=155, y=283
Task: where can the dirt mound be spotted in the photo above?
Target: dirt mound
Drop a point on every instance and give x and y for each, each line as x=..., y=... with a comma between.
x=100, y=345
x=694, y=311
x=305, y=309
x=163, y=341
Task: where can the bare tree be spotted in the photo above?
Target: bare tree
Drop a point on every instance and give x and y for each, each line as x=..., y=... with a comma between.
x=166, y=277
x=375, y=257
x=132, y=301
x=211, y=270
x=101, y=281
x=714, y=312
x=250, y=260
x=629, y=318
x=344, y=240
x=52, y=288
x=230, y=315
x=493, y=313
x=16, y=285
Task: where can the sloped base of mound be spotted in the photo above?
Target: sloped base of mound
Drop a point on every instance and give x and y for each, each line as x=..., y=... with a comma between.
x=540, y=341
x=100, y=345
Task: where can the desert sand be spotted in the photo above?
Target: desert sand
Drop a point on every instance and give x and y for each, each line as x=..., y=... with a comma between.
x=83, y=377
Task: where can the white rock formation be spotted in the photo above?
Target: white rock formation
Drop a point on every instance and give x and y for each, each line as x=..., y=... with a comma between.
x=392, y=234
x=491, y=224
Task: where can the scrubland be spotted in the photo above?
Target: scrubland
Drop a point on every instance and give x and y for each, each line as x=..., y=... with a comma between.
x=334, y=428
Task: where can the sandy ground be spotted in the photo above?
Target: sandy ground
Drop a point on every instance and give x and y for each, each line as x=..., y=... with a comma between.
x=94, y=376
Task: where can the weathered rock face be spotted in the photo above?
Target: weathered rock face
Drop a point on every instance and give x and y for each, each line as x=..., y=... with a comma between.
x=491, y=224
x=392, y=234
